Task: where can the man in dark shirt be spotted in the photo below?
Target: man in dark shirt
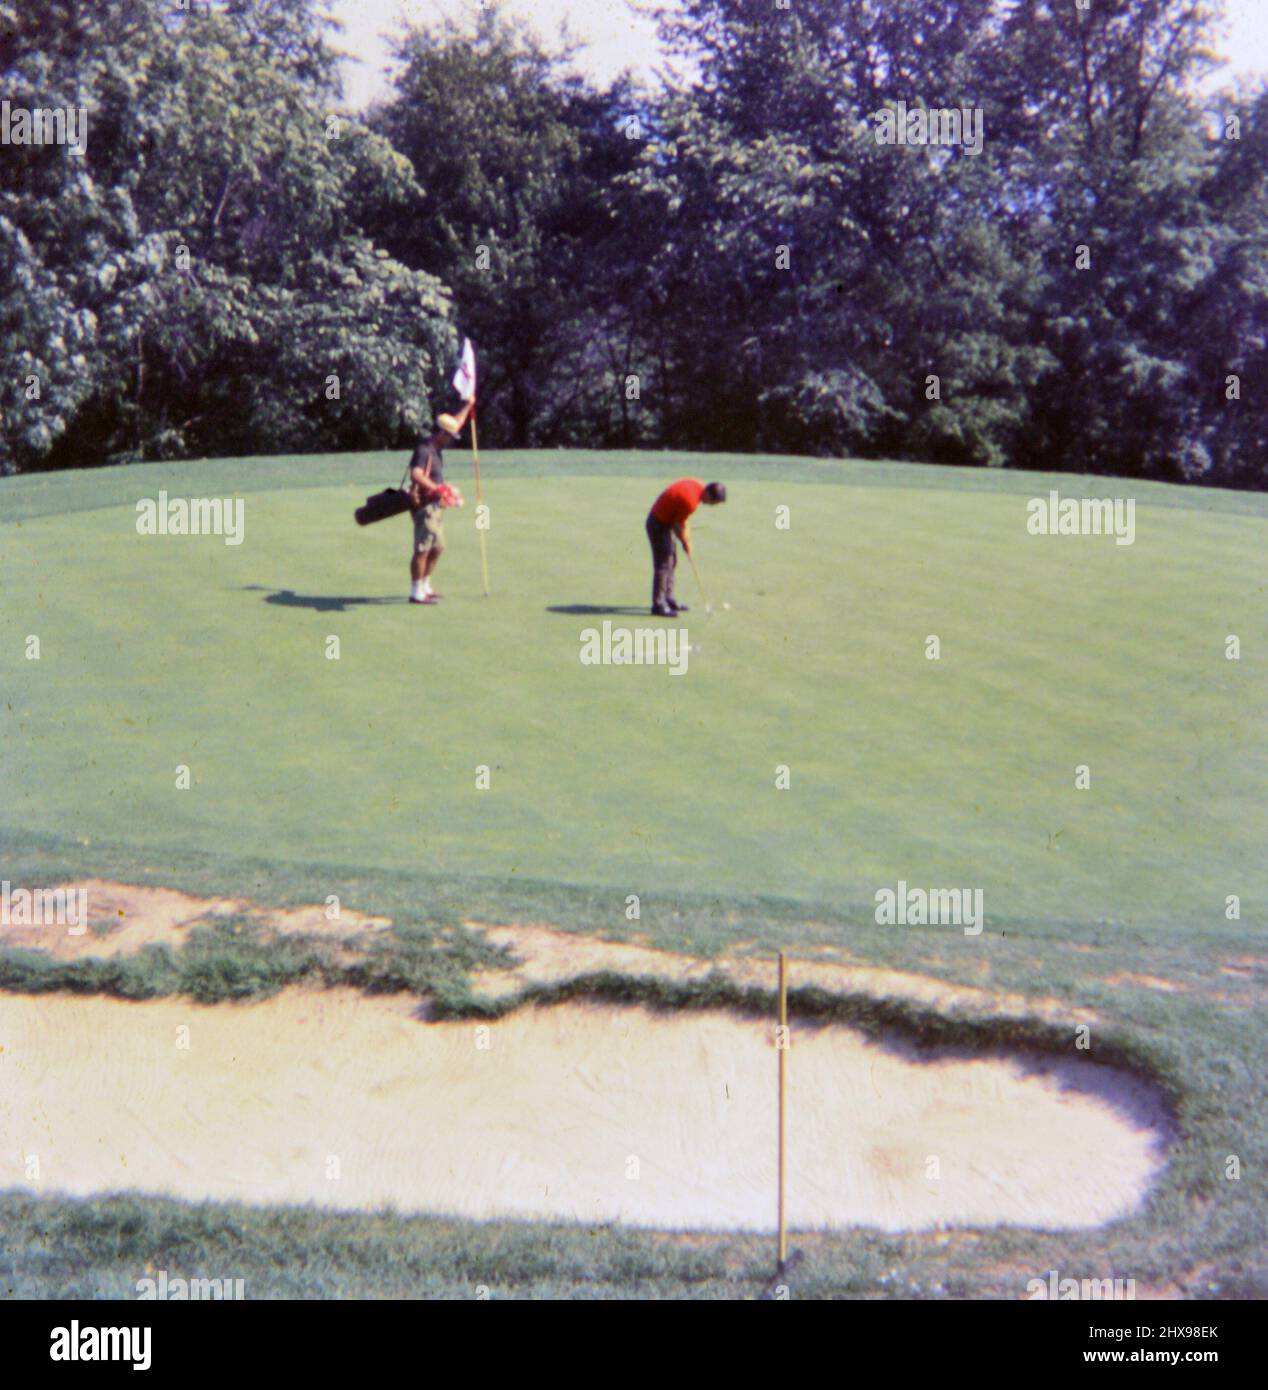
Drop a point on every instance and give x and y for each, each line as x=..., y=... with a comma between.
x=426, y=479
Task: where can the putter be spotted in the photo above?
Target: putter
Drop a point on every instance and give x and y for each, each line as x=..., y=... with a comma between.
x=708, y=607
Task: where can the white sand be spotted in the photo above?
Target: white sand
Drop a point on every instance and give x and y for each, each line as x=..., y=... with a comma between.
x=581, y=1111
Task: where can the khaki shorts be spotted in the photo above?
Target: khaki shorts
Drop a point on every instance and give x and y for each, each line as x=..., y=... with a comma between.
x=429, y=531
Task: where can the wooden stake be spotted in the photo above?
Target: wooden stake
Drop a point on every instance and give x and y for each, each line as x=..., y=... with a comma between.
x=782, y=1041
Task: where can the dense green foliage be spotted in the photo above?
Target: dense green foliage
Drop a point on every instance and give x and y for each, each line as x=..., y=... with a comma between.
x=730, y=262
x=519, y=162
x=907, y=263
x=193, y=282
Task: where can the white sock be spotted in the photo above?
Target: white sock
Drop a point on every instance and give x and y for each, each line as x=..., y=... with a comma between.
x=416, y=589
x=427, y=589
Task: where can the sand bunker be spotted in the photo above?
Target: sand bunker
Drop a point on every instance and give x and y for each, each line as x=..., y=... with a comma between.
x=588, y=1112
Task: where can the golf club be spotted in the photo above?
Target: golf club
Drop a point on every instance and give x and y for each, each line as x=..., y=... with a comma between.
x=708, y=607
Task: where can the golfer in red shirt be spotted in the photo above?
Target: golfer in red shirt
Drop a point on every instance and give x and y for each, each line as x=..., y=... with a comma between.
x=670, y=516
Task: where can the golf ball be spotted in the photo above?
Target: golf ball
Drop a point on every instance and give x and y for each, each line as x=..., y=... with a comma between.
x=726, y=605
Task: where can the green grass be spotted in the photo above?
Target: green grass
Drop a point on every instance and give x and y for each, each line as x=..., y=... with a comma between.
x=357, y=777
x=165, y=652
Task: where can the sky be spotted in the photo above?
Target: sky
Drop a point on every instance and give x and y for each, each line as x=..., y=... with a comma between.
x=617, y=37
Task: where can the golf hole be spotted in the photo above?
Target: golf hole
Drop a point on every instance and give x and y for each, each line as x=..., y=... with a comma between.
x=580, y=1112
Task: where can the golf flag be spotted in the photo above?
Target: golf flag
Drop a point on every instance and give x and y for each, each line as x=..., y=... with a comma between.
x=464, y=381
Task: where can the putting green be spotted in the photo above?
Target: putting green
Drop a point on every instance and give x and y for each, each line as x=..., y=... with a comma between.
x=157, y=652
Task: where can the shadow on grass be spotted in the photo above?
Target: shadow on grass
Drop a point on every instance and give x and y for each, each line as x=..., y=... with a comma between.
x=320, y=603
x=585, y=610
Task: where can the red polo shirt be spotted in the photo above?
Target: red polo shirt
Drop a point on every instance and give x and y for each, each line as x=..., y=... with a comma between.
x=678, y=501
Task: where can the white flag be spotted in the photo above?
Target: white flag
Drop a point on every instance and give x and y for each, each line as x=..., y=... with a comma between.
x=464, y=381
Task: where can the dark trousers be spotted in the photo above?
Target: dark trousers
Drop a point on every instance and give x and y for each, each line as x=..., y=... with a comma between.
x=664, y=562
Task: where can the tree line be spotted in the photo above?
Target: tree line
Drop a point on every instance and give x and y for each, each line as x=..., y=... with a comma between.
x=996, y=233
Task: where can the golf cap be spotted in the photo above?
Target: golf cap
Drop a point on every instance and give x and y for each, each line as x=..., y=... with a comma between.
x=449, y=424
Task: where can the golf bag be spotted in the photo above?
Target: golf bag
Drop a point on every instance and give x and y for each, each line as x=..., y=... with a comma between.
x=391, y=501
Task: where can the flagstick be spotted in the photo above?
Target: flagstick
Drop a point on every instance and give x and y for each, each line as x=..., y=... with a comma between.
x=484, y=546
